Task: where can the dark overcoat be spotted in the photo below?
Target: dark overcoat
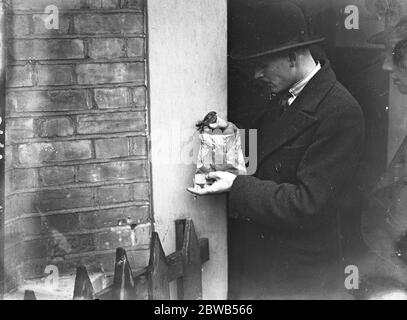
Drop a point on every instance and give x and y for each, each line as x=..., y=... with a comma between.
x=284, y=226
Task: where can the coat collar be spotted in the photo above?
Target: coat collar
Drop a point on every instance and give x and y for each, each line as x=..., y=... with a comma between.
x=299, y=116
x=316, y=89
x=296, y=89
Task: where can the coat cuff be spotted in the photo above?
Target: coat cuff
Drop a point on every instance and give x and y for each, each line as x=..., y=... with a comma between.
x=237, y=194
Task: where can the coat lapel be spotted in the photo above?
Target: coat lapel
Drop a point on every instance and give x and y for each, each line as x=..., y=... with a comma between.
x=300, y=115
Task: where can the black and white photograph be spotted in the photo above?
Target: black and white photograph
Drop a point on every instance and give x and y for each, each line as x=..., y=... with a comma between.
x=230, y=151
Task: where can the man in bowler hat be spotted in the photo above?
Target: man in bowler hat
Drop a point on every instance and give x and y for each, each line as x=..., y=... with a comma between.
x=383, y=267
x=285, y=220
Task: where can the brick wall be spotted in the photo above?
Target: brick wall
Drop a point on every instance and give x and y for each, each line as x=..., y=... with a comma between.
x=76, y=136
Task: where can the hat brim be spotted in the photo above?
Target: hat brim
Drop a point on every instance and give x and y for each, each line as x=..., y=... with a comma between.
x=244, y=56
x=377, y=38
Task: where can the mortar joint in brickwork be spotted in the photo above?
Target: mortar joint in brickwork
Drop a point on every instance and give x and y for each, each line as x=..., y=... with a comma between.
x=91, y=99
x=86, y=48
x=130, y=97
x=78, y=185
x=75, y=173
x=33, y=65
x=71, y=27
x=74, y=74
x=126, y=47
x=93, y=149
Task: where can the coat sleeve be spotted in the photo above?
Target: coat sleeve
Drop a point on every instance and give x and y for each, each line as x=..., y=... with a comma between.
x=328, y=163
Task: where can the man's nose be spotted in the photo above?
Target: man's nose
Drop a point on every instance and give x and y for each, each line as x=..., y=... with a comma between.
x=388, y=64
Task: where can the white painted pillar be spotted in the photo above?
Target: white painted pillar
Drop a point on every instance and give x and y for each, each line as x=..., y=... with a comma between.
x=187, y=50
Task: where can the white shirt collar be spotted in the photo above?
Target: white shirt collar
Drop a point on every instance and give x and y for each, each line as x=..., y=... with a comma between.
x=296, y=89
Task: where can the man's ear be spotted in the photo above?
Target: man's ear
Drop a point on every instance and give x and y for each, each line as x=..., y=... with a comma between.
x=292, y=58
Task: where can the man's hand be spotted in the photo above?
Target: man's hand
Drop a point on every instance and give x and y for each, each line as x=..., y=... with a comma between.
x=219, y=124
x=223, y=183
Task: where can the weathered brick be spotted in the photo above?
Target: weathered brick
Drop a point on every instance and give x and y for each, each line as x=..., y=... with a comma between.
x=105, y=262
x=53, y=152
x=34, y=268
x=135, y=4
x=143, y=234
x=14, y=259
x=110, y=218
x=112, y=171
x=35, y=249
x=141, y=191
x=32, y=226
x=112, y=123
x=56, y=127
x=40, y=28
x=138, y=259
x=139, y=97
x=8, y=181
x=117, y=23
x=111, y=98
x=117, y=237
x=9, y=157
x=135, y=47
x=24, y=178
x=9, y=205
x=61, y=246
x=110, y=4
x=19, y=76
x=51, y=200
x=47, y=49
x=9, y=212
x=15, y=255
x=106, y=48
x=51, y=176
x=13, y=232
x=138, y=146
x=69, y=266
x=19, y=25
x=112, y=148
x=92, y=4
x=19, y=129
x=60, y=4
x=98, y=73
x=61, y=223
x=124, y=237
x=17, y=205
x=114, y=194
x=47, y=100
x=55, y=75
x=10, y=281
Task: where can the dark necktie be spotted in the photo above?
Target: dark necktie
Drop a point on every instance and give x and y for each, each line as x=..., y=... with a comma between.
x=283, y=101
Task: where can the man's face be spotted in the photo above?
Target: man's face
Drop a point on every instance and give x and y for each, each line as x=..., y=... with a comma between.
x=276, y=72
x=399, y=77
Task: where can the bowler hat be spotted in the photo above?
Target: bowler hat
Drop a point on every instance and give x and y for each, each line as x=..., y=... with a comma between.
x=272, y=28
x=392, y=35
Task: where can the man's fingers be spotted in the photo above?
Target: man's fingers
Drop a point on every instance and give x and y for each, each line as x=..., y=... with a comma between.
x=198, y=192
x=219, y=124
x=214, y=175
x=203, y=192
